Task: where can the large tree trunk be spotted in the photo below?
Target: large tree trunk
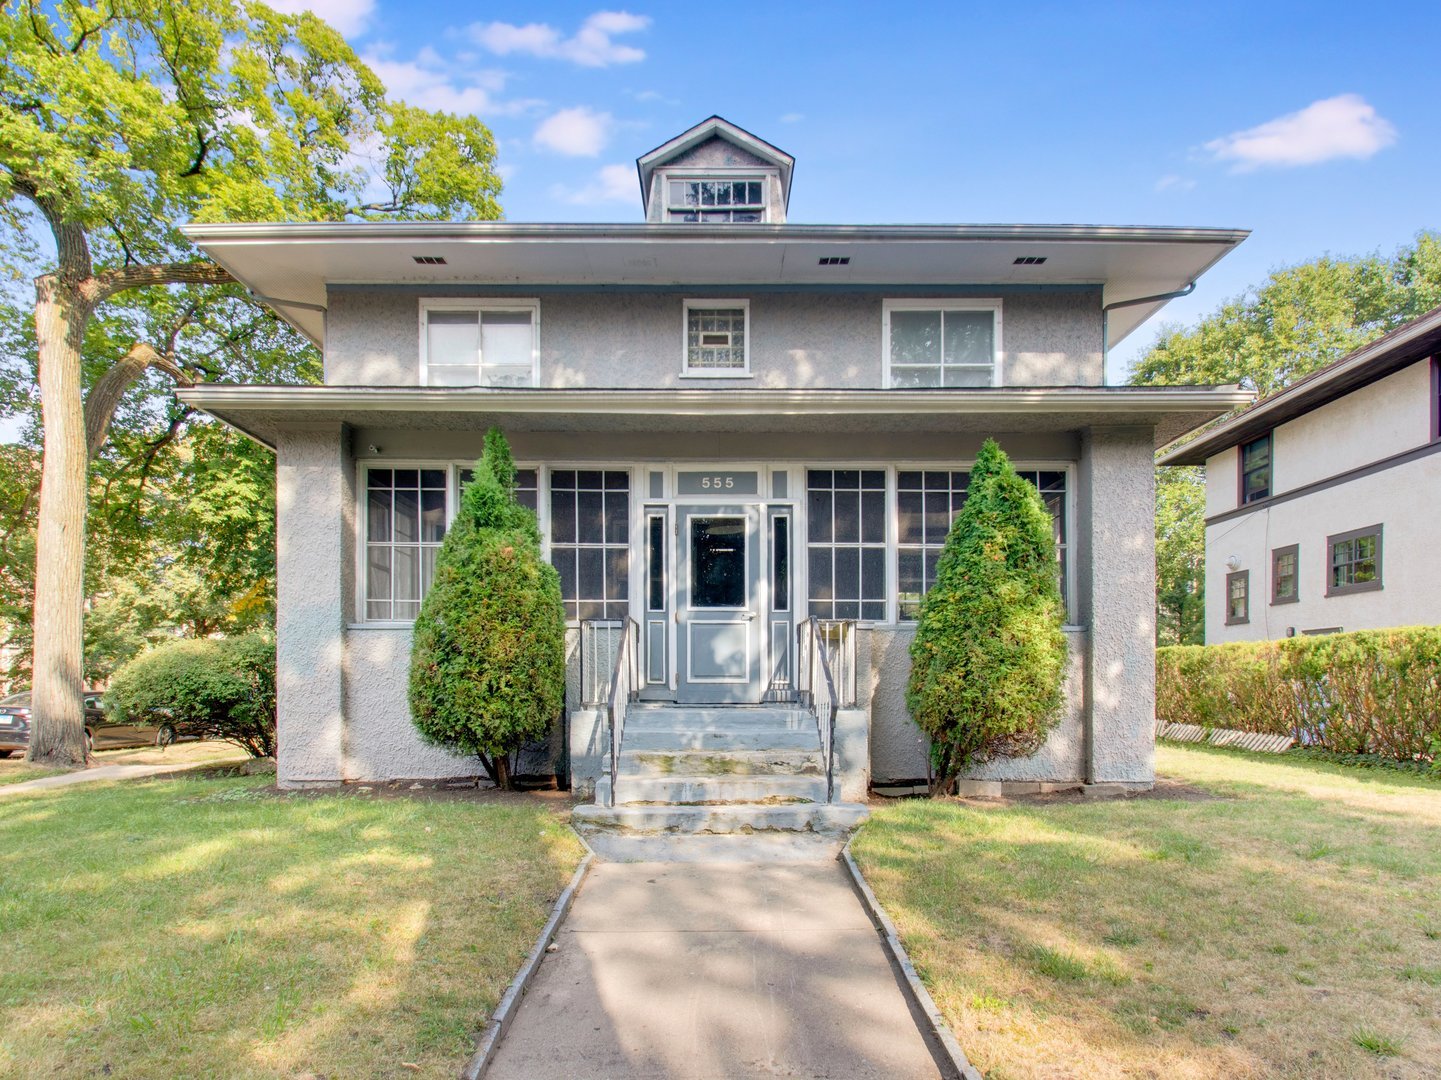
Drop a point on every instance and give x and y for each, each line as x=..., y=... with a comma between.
x=57, y=716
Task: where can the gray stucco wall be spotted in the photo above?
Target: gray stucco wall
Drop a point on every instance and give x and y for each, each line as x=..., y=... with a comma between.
x=630, y=339
x=900, y=750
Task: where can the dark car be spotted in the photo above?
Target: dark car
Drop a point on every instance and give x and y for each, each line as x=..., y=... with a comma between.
x=101, y=732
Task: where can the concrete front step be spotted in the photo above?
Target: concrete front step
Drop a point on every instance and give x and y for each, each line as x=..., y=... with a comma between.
x=828, y=818
x=728, y=741
x=720, y=789
x=667, y=762
x=736, y=719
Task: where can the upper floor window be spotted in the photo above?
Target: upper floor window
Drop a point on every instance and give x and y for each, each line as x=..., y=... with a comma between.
x=715, y=200
x=1256, y=470
x=1353, y=561
x=479, y=343
x=941, y=343
x=716, y=332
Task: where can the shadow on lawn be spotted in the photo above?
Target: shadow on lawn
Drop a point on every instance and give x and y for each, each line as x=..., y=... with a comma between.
x=206, y=928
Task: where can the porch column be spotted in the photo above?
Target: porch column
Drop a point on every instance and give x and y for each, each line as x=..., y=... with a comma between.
x=314, y=502
x=1118, y=572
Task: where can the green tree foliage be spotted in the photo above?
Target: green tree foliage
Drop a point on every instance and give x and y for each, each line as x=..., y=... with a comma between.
x=218, y=688
x=989, y=658
x=487, y=662
x=121, y=120
x=1300, y=319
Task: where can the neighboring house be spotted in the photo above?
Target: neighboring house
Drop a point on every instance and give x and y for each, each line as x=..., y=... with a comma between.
x=727, y=425
x=1321, y=500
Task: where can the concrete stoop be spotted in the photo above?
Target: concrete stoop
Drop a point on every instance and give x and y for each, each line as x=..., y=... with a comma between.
x=712, y=769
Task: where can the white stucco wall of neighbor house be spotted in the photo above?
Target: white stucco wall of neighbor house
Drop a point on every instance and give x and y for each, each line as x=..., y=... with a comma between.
x=1400, y=499
x=1048, y=338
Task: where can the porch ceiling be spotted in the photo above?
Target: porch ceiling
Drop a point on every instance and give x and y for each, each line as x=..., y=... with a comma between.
x=263, y=411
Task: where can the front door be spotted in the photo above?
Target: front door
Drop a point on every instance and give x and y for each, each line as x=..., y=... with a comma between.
x=717, y=605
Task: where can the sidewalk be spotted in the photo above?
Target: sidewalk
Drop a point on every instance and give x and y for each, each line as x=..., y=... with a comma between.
x=87, y=776
x=715, y=969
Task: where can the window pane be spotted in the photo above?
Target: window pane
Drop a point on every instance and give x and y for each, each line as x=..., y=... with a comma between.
x=910, y=507
x=617, y=517
x=820, y=574
x=915, y=337
x=970, y=338
x=407, y=516
x=781, y=564
x=432, y=514
x=968, y=376
x=453, y=338
x=655, y=564
x=819, y=506
x=590, y=569
x=563, y=559
x=378, y=516
x=407, y=573
x=590, y=519
x=873, y=517
x=848, y=517
x=562, y=517
x=718, y=562
x=848, y=573
x=377, y=574
x=617, y=574
x=506, y=339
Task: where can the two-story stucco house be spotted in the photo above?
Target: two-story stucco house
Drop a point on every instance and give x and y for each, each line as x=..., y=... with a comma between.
x=732, y=428
x=1321, y=508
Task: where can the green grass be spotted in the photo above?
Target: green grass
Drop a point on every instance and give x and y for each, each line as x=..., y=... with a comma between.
x=1241, y=932
x=209, y=927
x=18, y=770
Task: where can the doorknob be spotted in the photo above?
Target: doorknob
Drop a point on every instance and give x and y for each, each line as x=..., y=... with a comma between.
x=750, y=616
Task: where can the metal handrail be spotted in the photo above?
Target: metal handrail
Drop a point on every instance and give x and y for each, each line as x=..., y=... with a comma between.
x=623, y=688
x=825, y=646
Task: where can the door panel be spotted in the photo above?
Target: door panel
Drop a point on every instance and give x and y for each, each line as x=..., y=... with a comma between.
x=717, y=605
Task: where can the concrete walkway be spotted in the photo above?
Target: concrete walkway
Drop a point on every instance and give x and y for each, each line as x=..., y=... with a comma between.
x=698, y=967
x=89, y=776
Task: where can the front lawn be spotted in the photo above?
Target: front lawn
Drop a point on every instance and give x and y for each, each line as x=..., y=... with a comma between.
x=1263, y=918
x=188, y=926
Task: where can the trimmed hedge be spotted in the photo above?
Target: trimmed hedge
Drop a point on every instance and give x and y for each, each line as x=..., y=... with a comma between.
x=1366, y=692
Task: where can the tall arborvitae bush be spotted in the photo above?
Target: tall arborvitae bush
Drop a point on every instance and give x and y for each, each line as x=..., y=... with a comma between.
x=487, y=661
x=989, y=658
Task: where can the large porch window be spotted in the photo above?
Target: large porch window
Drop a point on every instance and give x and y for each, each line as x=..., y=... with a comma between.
x=590, y=541
x=405, y=518
x=846, y=543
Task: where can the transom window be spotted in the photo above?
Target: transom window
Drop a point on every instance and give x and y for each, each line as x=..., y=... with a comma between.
x=590, y=541
x=846, y=544
x=716, y=200
x=465, y=343
x=405, y=514
x=715, y=338
x=927, y=503
x=1256, y=470
x=1353, y=561
x=1285, y=575
x=931, y=343
x=1238, y=597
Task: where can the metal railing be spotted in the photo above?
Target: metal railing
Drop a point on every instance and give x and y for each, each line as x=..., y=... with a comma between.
x=826, y=677
x=612, y=687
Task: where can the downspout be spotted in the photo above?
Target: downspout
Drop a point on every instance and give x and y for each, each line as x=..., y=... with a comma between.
x=1106, y=321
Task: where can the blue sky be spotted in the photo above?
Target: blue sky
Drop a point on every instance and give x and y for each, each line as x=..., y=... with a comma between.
x=1314, y=125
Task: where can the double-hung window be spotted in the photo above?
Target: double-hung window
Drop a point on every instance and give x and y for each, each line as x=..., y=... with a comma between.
x=1256, y=470
x=1353, y=561
x=700, y=201
x=1285, y=574
x=479, y=343
x=932, y=343
x=1238, y=598
x=716, y=335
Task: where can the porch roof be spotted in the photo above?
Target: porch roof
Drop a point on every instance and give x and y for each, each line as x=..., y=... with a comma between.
x=263, y=411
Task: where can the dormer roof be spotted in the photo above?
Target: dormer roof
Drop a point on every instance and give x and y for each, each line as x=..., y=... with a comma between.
x=716, y=127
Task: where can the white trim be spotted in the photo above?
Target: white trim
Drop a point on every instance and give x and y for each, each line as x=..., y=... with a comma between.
x=530, y=305
x=686, y=371
x=990, y=304
x=726, y=175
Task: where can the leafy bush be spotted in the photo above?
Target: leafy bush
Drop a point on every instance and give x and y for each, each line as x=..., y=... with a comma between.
x=487, y=662
x=1366, y=692
x=989, y=658
x=220, y=688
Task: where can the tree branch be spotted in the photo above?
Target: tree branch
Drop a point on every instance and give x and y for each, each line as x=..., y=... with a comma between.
x=104, y=397
x=71, y=244
x=109, y=282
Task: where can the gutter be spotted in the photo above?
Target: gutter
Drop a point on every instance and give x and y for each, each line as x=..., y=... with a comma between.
x=1158, y=298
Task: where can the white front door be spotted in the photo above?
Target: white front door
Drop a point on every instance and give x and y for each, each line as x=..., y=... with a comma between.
x=719, y=629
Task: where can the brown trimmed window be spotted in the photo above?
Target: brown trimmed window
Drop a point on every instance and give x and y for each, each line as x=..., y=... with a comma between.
x=1238, y=597
x=1435, y=398
x=1285, y=574
x=1353, y=561
x=1256, y=470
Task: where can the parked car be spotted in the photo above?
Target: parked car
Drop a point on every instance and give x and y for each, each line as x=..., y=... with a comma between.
x=102, y=732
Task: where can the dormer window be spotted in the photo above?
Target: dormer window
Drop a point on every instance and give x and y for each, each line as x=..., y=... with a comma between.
x=716, y=200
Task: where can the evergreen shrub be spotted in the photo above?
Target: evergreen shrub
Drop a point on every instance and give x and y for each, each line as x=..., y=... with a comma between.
x=487, y=662
x=988, y=661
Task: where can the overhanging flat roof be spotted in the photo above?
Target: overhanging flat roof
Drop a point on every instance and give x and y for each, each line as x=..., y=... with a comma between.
x=1416, y=340
x=291, y=266
x=263, y=411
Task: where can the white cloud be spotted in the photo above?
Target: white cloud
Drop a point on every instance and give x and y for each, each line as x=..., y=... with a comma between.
x=1345, y=126
x=613, y=183
x=792, y=118
x=428, y=82
x=578, y=132
x=1175, y=182
x=350, y=17
x=590, y=46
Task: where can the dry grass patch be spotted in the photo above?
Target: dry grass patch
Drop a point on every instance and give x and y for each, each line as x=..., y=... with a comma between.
x=1288, y=928
x=211, y=927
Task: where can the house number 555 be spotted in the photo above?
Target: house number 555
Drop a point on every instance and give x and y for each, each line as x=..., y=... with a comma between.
x=712, y=482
